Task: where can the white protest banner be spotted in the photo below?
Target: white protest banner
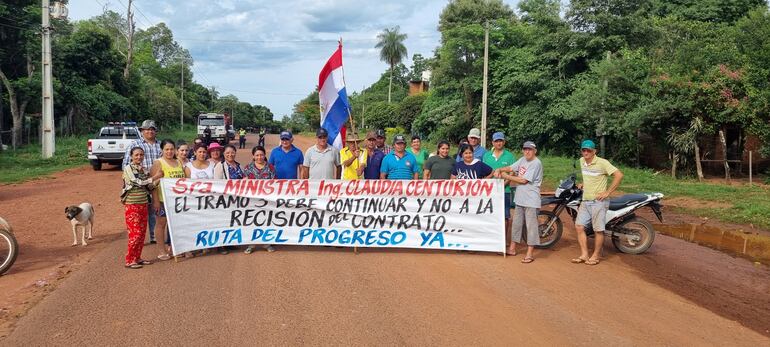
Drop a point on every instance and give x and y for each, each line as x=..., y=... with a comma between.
x=431, y=214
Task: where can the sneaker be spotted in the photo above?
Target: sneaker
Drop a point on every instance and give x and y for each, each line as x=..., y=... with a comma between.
x=270, y=248
x=249, y=250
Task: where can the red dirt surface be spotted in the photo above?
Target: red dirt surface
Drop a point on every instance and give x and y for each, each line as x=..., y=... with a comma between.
x=678, y=293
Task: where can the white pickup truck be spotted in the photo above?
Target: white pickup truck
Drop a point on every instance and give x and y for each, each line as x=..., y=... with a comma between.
x=111, y=144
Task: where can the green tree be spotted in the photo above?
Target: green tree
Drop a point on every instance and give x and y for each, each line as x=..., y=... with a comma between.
x=419, y=65
x=392, y=50
x=408, y=110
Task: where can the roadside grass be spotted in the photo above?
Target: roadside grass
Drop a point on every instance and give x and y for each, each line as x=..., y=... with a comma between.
x=750, y=205
x=26, y=163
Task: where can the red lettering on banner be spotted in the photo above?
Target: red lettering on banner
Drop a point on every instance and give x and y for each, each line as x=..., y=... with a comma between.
x=180, y=186
x=231, y=187
x=458, y=188
x=297, y=187
x=486, y=187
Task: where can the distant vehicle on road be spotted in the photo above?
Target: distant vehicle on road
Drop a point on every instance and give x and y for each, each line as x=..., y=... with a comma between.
x=219, y=124
x=111, y=143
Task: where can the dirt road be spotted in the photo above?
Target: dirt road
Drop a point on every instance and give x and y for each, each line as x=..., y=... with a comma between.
x=677, y=294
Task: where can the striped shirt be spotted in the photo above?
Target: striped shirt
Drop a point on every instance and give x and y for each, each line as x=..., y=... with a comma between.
x=151, y=153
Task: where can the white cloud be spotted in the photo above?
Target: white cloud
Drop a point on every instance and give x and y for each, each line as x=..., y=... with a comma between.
x=279, y=47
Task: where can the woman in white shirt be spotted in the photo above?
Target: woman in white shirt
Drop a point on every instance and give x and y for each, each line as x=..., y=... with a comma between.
x=200, y=168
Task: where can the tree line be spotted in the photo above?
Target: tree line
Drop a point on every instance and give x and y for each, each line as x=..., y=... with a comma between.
x=104, y=70
x=668, y=74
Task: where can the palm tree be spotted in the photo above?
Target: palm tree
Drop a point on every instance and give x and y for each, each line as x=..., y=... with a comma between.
x=392, y=50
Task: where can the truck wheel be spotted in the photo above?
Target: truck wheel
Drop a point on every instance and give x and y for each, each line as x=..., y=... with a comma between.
x=97, y=165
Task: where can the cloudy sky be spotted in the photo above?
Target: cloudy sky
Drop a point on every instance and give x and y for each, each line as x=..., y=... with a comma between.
x=270, y=52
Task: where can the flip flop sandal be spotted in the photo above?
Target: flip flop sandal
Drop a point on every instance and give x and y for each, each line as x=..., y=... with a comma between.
x=164, y=257
x=578, y=260
x=527, y=260
x=144, y=262
x=134, y=266
x=592, y=262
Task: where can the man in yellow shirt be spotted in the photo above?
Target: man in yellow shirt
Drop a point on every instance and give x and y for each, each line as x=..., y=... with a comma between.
x=353, y=159
x=596, y=202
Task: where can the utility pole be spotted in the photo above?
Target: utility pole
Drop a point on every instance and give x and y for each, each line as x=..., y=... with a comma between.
x=603, y=120
x=484, y=88
x=48, y=140
x=181, y=108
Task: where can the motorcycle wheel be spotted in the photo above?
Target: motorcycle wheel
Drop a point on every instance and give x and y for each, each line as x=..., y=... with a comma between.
x=549, y=237
x=9, y=249
x=638, y=227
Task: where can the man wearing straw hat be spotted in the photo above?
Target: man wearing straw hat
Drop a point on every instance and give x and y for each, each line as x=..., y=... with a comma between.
x=353, y=158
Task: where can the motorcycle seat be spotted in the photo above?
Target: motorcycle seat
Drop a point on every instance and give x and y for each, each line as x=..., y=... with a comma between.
x=547, y=200
x=626, y=200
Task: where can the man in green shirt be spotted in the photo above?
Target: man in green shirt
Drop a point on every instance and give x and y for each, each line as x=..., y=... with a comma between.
x=596, y=202
x=497, y=158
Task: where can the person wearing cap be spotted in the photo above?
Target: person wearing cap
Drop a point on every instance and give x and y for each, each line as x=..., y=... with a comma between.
x=399, y=164
x=353, y=159
x=148, y=143
x=321, y=160
x=286, y=158
x=593, y=208
x=381, y=145
x=497, y=158
x=474, y=140
x=527, y=172
x=374, y=157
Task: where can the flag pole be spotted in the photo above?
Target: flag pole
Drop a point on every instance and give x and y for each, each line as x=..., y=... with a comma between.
x=350, y=114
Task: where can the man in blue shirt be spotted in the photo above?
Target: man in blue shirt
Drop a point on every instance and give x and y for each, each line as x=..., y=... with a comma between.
x=374, y=157
x=474, y=139
x=286, y=158
x=399, y=164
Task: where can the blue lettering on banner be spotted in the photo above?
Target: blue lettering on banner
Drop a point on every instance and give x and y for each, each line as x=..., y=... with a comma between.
x=208, y=238
x=323, y=236
x=431, y=238
x=266, y=235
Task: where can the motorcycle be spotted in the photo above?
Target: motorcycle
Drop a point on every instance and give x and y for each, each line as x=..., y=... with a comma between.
x=9, y=248
x=630, y=233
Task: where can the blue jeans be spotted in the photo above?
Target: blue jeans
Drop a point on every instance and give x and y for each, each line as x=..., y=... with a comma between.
x=151, y=221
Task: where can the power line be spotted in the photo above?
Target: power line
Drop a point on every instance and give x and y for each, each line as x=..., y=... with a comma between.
x=15, y=21
x=142, y=13
x=16, y=27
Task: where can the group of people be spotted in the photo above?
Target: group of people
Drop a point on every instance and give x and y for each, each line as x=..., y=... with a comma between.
x=147, y=161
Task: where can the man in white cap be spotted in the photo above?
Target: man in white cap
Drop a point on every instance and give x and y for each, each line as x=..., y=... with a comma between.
x=474, y=139
x=151, y=147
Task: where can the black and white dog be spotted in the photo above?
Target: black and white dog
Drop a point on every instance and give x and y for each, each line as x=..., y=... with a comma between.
x=81, y=216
